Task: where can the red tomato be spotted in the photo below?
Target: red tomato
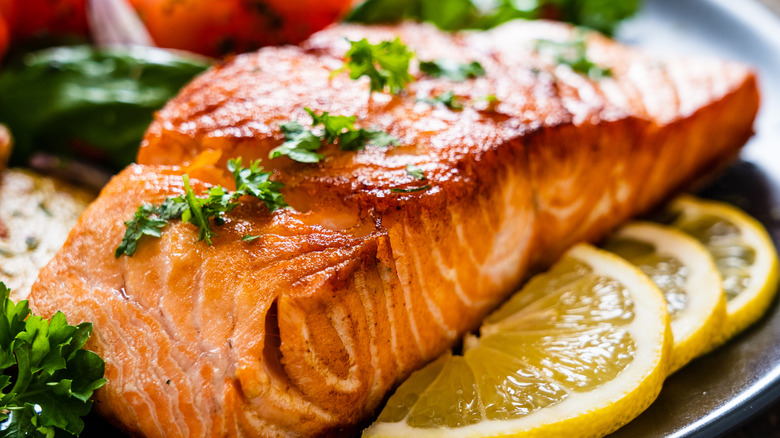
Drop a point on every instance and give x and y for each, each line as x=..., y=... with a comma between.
x=4, y=36
x=7, y=16
x=217, y=27
x=36, y=18
x=8, y=11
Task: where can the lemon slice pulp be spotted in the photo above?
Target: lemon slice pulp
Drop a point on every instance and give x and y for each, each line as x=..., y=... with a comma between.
x=686, y=273
x=743, y=252
x=578, y=352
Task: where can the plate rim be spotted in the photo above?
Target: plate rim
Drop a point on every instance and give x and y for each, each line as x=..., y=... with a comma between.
x=760, y=395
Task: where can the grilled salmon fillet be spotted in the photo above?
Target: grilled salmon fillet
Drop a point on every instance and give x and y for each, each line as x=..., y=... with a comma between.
x=303, y=331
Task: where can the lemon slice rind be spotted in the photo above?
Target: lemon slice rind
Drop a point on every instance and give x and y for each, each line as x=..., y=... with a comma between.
x=745, y=309
x=609, y=406
x=698, y=327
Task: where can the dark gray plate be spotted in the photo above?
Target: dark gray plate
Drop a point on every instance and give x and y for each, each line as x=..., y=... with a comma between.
x=716, y=393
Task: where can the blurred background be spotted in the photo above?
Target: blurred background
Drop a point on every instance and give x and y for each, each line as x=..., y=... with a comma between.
x=773, y=4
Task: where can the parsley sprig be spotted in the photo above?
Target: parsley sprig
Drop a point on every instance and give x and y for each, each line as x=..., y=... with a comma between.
x=149, y=220
x=252, y=181
x=47, y=380
x=302, y=144
x=341, y=130
x=573, y=53
x=386, y=64
x=445, y=68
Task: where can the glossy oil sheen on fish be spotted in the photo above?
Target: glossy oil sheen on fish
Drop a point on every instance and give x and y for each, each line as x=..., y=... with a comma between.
x=303, y=331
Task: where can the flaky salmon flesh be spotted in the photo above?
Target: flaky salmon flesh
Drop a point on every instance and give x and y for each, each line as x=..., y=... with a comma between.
x=305, y=330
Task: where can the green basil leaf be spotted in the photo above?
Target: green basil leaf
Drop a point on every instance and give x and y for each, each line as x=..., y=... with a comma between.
x=89, y=102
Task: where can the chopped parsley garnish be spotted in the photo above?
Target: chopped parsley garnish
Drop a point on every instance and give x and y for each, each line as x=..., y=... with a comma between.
x=456, y=103
x=447, y=69
x=149, y=220
x=302, y=143
x=47, y=380
x=573, y=53
x=341, y=130
x=249, y=238
x=448, y=99
x=200, y=211
x=490, y=98
x=411, y=190
x=334, y=126
x=386, y=64
x=252, y=181
x=415, y=172
x=488, y=103
x=357, y=139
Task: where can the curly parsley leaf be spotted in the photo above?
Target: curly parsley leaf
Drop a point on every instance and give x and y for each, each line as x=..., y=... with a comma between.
x=339, y=130
x=573, y=53
x=444, y=68
x=149, y=220
x=386, y=64
x=51, y=378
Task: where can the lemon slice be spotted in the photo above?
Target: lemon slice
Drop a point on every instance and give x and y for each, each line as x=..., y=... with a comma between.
x=743, y=253
x=579, y=351
x=685, y=272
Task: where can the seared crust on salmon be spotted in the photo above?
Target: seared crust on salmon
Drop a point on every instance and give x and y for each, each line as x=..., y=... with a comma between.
x=304, y=331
